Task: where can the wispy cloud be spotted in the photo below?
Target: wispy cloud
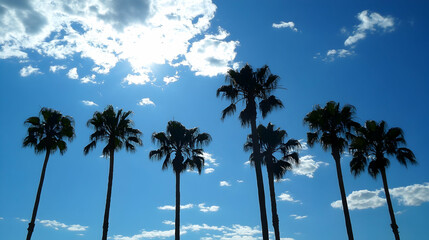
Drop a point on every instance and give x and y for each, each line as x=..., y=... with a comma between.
x=88, y=79
x=56, y=68
x=224, y=184
x=29, y=70
x=307, y=166
x=89, y=103
x=172, y=79
x=22, y=219
x=171, y=207
x=282, y=24
x=203, y=208
x=286, y=197
x=209, y=170
x=145, y=102
x=297, y=217
x=168, y=222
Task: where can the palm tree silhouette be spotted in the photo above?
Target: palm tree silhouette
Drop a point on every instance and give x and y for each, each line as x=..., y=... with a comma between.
x=117, y=130
x=186, y=146
x=252, y=88
x=330, y=127
x=372, y=143
x=272, y=142
x=46, y=134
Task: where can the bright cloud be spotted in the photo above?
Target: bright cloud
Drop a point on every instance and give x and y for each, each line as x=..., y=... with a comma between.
x=297, y=217
x=209, y=170
x=145, y=101
x=138, y=79
x=224, y=184
x=58, y=225
x=282, y=24
x=362, y=199
x=369, y=22
x=88, y=79
x=89, y=103
x=240, y=181
x=286, y=197
x=209, y=159
x=27, y=71
x=72, y=73
x=203, y=208
x=171, y=207
x=172, y=79
x=106, y=32
x=212, y=55
x=149, y=234
x=283, y=180
x=413, y=195
x=307, y=166
x=168, y=222
x=56, y=68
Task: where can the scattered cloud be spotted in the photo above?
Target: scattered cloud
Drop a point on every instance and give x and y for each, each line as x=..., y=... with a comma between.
x=203, y=208
x=22, y=219
x=297, y=217
x=307, y=166
x=369, y=22
x=168, y=222
x=56, y=68
x=149, y=234
x=88, y=79
x=58, y=225
x=247, y=163
x=282, y=24
x=286, y=197
x=27, y=71
x=171, y=79
x=240, y=181
x=224, y=184
x=72, y=73
x=283, y=180
x=209, y=159
x=304, y=145
x=138, y=79
x=89, y=103
x=209, y=170
x=332, y=54
x=171, y=207
x=145, y=101
x=212, y=55
x=413, y=195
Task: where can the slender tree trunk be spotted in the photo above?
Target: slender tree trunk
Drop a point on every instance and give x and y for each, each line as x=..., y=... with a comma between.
x=336, y=155
x=39, y=192
x=108, y=197
x=273, y=200
x=259, y=180
x=389, y=204
x=177, y=220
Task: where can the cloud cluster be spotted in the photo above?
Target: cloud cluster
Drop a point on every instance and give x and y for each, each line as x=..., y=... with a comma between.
x=307, y=166
x=413, y=195
x=286, y=197
x=370, y=22
x=282, y=24
x=58, y=225
x=142, y=32
x=29, y=70
x=171, y=207
x=203, y=208
x=89, y=103
x=145, y=102
x=224, y=184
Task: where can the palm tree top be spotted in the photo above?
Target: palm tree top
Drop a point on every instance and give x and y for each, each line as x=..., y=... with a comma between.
x=47, y=131
x=373, y=142
x=330, y=125
x=185, y=144
x=115, y=128
x=251, y=87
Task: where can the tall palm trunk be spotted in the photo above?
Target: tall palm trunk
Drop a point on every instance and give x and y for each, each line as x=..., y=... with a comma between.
x=39, y=192
x=108, y=197
x=335, y=153
x=259, y=180
x=273, y=200
x=389, y=204
x=177, y=220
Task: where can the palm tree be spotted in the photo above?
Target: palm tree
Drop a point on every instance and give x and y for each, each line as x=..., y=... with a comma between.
x=186, y=146
x=116, y=129
x=252, y=88
x=46, y=134
x=272, y=142
x=372, y=143
x=330, y=127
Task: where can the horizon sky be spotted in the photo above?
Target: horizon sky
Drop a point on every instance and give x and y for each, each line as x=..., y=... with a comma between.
x=164, y=60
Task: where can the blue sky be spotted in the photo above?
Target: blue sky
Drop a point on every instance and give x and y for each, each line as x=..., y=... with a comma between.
x=164, y=60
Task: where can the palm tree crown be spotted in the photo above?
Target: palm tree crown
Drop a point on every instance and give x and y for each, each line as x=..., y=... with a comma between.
x=114, y=128
x=48, y=131
x=184, y=144
x=373, y=142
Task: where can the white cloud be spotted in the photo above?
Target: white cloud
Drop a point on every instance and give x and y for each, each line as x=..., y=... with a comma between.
x=58, y=225
x=56, y=68
x=307, y=166
x=72, y=73
x=149, y=234
x=286, y=197
x=196, y=227
x=297, y=217
x=203, y=208
x=106, y=32
x=283, y=180
x=22, y=219
x=247, y=163
x=212, y=55
x=145, y=101
x=27, y=71
x=224, y=184
x=172, y=79
x=337, y=53
x=304, y=145
x=282, y=24
x=209, y=170
x=208, y=157
x=369, y=23
x=89, y=103
x=240, y=181
x=168, y=222
x=413, y=195
x=171, y=207
x=88, y=79
x=138, y=79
